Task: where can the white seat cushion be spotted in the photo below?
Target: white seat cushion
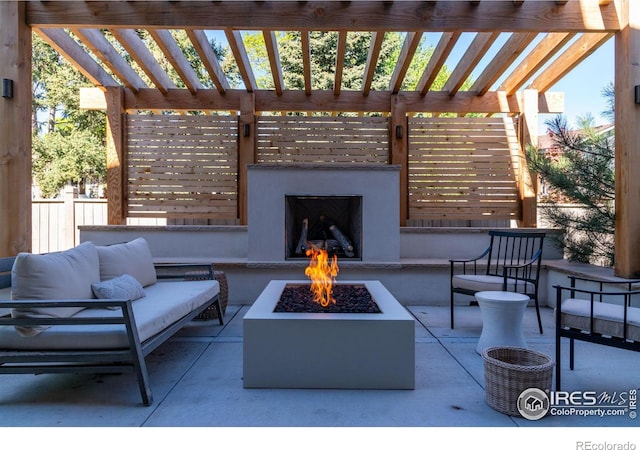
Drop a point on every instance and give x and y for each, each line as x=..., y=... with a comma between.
x=608, y=318
x=163, y=304
x=489, y=283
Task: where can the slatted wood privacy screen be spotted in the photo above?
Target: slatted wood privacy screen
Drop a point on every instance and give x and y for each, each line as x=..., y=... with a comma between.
x=298, y=139
x=182, y=166
x=463, y=168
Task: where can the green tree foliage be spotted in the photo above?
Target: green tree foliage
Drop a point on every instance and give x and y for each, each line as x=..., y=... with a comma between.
x=580, y=171
x=68, y=143
x=76, y=156
x=323, y=61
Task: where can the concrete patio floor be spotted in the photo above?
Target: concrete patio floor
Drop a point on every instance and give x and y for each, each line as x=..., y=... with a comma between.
x=196, y=379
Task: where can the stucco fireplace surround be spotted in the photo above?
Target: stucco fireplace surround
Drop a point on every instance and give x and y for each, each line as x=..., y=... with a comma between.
x=269, y=185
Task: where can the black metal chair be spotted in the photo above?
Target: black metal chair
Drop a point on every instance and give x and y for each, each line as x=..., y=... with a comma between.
x=511, y=262
x=597, y=311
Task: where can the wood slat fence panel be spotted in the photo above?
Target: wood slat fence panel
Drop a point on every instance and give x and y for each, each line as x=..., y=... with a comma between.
x=182, y=167
x=463, y=169
x=297, y=139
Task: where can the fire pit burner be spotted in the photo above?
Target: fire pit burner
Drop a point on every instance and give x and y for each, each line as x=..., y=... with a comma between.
x=350, y=298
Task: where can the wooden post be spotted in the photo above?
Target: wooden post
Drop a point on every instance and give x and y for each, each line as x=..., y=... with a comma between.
x=528, y=135
x=247, y=136
x=627, y=140
x=15, y=131
x=116, y=158
x=399, y=139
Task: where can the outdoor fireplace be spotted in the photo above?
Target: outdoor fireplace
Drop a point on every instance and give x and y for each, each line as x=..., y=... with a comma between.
x=361, y=200
x=332, y=223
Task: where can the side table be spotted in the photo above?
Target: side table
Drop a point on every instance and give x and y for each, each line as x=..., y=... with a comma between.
x=502, y=314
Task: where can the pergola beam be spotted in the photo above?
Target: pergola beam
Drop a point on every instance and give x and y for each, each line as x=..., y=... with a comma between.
x=347, y=101
x=402, y=16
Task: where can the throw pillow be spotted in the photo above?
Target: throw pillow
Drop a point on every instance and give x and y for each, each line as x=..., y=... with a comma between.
x=123, y=287
x=133, y=258
x=60, y=275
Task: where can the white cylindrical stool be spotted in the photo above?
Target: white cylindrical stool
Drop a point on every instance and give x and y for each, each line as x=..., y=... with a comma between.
x=502, y=314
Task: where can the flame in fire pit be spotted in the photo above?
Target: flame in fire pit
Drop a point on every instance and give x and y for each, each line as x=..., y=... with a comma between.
x=322, y=275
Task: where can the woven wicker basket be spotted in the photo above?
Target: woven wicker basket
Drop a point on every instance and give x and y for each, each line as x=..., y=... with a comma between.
x=508, y=371
x=210, y=313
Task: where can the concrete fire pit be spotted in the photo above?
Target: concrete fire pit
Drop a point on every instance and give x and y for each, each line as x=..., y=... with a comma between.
x=328, y=350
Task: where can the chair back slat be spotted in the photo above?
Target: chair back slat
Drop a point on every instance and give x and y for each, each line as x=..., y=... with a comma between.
x=515, y=248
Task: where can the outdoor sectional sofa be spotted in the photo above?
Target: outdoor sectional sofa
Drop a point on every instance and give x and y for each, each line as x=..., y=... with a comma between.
x=97, y=309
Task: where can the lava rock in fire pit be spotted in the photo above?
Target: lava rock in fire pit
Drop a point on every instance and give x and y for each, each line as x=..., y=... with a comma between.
x=350, y=298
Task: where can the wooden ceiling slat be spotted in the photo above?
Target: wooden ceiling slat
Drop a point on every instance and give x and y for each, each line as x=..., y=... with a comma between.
x=516, y=44
x=242, y=60
x=176, y=58
x=409, y=47
x=481, y=43
x=306, y=61
x=201, y=44
x=77, y=56
x=438, y=58
x=102, y=48
x=340, y=52
x=372, y=60
x=140, y=53
x=538, y=57
x=274, y=59
x=584, y=46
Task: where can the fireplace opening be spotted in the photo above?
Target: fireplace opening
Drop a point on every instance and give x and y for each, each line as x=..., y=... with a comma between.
x=332, y=223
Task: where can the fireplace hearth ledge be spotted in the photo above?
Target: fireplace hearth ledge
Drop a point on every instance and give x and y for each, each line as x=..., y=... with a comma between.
x=328, y=350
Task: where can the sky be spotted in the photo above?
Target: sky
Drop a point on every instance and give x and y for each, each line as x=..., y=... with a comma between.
x=583, y=86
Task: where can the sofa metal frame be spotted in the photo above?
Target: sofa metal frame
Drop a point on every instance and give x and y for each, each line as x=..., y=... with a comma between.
x=102, y=360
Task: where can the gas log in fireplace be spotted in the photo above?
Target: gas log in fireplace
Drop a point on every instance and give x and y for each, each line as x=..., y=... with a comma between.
x=332, y=223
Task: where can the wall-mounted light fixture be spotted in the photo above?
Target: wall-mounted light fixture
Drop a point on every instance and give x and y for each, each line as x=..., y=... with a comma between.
x=398, y=131
x=637, y=89
x=246, y=130
x=7, y=88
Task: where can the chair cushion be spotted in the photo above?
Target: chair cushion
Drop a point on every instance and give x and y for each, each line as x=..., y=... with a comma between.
x=489, y=283
x=608, y=318
x=122, y=287
x=53, y=276
x=133, y=258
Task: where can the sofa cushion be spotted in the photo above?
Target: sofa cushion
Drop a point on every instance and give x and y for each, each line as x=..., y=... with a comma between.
x=123, y=287
x=165, y=303
x=5, y=296
x=60, y=275
x=133, y=258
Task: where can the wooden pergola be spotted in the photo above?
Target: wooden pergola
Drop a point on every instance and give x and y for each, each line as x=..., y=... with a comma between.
x=550, y=38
